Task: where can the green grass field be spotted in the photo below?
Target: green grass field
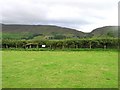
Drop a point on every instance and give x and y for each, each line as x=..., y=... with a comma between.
x=60, y=69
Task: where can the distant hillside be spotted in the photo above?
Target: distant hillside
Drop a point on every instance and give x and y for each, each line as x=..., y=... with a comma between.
x=53, y=32
x=107, y=31
x=40, y=30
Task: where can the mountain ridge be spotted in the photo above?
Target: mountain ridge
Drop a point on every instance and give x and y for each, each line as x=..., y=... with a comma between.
x=53, y=31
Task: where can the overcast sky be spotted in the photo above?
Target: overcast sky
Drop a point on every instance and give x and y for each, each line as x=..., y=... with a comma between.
x=83, y=15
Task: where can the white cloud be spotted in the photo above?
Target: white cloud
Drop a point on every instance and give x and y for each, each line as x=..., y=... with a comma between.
x=83, y=15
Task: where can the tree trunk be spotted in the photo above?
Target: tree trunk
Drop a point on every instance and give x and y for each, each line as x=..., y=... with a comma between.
x=63, y=47
x=90, y=45
x=104, y=46
x=16, y=46
x=50, y=47
x=37, y=46
x=30, y=46
x=6, y=46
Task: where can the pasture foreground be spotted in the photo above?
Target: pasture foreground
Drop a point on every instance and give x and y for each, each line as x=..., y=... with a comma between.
x=60, y=69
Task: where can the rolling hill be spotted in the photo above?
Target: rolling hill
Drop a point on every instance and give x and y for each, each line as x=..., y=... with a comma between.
x=53, y=32
x=107, y=31
x=31, y=31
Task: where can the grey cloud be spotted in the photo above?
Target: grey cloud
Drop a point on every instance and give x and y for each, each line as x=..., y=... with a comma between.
x=68, y=13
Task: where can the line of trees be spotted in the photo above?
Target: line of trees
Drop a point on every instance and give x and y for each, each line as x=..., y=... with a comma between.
x=54, y=44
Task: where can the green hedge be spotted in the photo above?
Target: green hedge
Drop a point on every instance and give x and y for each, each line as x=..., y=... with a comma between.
x=61, y=44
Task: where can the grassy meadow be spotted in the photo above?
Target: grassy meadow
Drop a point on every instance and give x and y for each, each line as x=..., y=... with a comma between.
x=60, y=69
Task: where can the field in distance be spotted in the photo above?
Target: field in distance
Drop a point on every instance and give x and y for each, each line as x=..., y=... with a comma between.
x=60, y=69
